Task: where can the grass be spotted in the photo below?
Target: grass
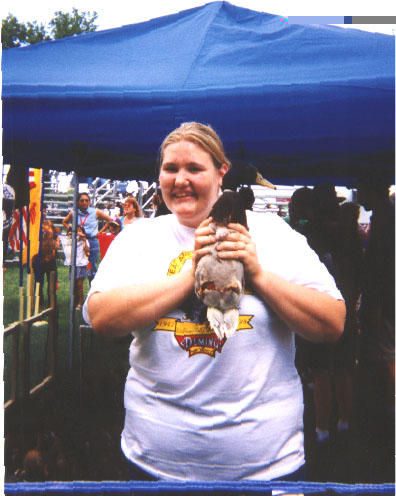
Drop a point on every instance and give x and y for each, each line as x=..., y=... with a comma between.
x=100, y=354
x=83, y=406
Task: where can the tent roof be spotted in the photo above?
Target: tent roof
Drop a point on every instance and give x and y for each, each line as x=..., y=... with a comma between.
x=300, y=102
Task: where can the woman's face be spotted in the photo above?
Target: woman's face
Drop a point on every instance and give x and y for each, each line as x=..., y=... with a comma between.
x=189, y=182
x=129, y=209
x=83, y=202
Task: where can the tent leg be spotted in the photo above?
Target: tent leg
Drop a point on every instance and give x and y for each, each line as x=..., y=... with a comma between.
x=73, y=274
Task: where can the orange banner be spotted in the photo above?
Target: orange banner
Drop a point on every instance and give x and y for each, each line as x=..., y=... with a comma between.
x=35, y=214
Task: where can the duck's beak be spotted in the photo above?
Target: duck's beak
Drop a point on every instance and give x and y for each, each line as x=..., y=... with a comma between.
x=260, y=180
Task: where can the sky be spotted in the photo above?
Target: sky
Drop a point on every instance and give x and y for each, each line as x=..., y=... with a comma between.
x=120, y=12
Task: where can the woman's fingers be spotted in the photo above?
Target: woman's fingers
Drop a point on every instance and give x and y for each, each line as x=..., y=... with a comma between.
x=238, y=245
x=204, y=239
x=239, y=228
x=237, y=240
x=204, y=234
x=232, y=249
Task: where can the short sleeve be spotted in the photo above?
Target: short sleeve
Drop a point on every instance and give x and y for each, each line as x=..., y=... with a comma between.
x=122, y=265
x=286, y=252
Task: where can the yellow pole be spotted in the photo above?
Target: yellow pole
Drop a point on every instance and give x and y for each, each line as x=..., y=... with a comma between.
x=21, y=304
x=29, y=295
x=37, y=300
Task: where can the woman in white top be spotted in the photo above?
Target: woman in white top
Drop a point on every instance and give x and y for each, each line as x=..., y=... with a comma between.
x=197, y=407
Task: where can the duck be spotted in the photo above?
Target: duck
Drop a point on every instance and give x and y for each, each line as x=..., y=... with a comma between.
x=244, y=173
x=220, y=283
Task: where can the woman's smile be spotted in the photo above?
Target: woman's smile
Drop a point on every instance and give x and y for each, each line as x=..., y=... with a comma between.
x=184, y=195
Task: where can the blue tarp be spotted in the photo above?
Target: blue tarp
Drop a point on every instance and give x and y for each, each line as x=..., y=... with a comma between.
x=299, y=101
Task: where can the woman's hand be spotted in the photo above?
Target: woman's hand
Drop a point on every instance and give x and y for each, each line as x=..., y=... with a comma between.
x=238, y=245
x=204, y=239
x=313, y=315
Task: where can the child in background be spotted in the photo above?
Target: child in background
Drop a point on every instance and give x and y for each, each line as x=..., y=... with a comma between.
x=48, y=255
x=113, y=227
x=82, y=261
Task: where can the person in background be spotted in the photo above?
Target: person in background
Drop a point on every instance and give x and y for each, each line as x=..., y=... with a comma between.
x=87, y=217
x=349, y=283
x=377, y=309
x=8, y=201
x=115, y=210
x=159, y=205
x=107, y=235
x=197, y=407
x=331, y=364
x=82, y=260
x=132, y=211
x=113, y=227
x=301, y=208
x=44, y=263
x=106, y=209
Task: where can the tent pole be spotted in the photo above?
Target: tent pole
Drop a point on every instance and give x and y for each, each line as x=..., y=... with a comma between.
x=73, y=273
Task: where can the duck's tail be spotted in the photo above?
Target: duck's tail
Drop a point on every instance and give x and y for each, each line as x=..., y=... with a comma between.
x=223, y=323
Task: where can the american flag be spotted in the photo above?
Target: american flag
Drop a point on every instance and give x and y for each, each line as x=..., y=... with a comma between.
x=32, y=183
x=14, y=237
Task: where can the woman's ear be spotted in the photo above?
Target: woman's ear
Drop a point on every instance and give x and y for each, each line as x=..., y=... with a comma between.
x=222, y=172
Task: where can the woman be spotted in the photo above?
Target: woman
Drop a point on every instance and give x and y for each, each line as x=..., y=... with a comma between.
x=132, y=211
x=87, y=217
x=191, y=414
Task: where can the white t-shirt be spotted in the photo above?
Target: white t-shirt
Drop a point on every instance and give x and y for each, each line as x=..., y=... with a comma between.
x=81, y=257
x=198, y=408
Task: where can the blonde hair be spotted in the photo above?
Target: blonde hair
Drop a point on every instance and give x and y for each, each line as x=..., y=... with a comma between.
x=200, y=134
x=134, y=202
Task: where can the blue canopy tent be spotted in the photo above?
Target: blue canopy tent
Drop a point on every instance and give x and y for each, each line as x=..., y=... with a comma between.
x=300, y=102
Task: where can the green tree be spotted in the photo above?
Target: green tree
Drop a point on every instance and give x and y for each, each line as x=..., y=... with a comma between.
x=71, y=24
x=35, y=32
x=15, y=33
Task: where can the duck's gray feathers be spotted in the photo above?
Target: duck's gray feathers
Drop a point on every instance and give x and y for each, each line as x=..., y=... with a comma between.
x=220, y=285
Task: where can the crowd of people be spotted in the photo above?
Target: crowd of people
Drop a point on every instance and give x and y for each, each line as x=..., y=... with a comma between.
x=349, y=372
x=317, y=315
x=91, y=223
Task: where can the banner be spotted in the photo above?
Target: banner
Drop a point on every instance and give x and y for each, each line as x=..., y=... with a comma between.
x=34, y=214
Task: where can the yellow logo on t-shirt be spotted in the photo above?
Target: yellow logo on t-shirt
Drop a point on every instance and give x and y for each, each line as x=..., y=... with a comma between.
x=177, y=264
x=195, y=337
x=198, y=338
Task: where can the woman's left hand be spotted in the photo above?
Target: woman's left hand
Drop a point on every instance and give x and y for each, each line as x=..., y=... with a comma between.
x=238, y=245
x=204, y=238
